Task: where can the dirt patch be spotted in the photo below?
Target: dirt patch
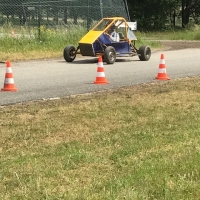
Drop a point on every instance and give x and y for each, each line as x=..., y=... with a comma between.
x=178, y=44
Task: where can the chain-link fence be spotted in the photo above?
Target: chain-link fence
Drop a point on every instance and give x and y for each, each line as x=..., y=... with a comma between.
x=51, y=13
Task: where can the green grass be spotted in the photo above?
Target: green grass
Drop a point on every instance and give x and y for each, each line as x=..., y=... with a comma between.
x=52, y=41
x=27, y=45
x=190, y=33
x=138, y=143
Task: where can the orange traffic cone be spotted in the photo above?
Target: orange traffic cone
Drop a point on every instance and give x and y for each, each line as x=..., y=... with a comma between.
x=100, y=78
x=9, y=81
x=162, y=75
x=13, y=33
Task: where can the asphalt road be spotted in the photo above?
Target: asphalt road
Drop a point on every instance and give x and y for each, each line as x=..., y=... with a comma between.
x=37, y=80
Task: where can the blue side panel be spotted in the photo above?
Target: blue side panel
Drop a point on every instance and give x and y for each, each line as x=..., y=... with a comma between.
x=97, y=47
x=104, y=39
x=122, y=47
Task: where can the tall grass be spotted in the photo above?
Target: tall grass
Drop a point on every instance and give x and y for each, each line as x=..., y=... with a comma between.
x=49, y=43
x=29, y=44
x=189, y=33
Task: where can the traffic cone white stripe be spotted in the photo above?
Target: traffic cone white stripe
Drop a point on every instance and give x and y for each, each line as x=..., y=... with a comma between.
x=160, y=70
x=100, y=74
x=100, y=64
x=162, y=61
x=9, y=81
x=8, y=70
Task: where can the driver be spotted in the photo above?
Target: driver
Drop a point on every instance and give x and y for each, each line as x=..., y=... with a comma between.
x=112, y=34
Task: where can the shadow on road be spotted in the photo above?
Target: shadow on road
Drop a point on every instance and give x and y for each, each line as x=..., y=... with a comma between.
x=95, y=60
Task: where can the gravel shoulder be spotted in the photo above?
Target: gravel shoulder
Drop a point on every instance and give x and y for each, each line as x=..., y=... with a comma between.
x=179, y=44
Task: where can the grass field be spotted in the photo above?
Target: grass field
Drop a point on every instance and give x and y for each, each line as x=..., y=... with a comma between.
x=132, y=143
x=137, y=143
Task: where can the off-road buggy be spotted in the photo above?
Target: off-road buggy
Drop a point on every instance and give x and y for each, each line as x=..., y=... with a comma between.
x=96, y=42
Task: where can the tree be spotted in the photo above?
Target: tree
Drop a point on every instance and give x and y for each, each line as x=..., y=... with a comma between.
x=189, y=8
x=154, y=13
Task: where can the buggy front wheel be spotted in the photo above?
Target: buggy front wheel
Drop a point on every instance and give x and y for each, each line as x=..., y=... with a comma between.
x=109, y=55
x=144, y=53
x=69, y=53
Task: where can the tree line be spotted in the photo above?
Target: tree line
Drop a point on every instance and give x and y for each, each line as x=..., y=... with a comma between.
x=155, y=13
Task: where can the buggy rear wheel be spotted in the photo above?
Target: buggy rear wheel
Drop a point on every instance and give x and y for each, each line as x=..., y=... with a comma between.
x=69, y=53
x=110, y=55
x=144, y=53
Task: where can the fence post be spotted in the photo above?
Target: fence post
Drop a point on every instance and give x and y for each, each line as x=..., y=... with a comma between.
x=39, y=17
x=101, y=8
